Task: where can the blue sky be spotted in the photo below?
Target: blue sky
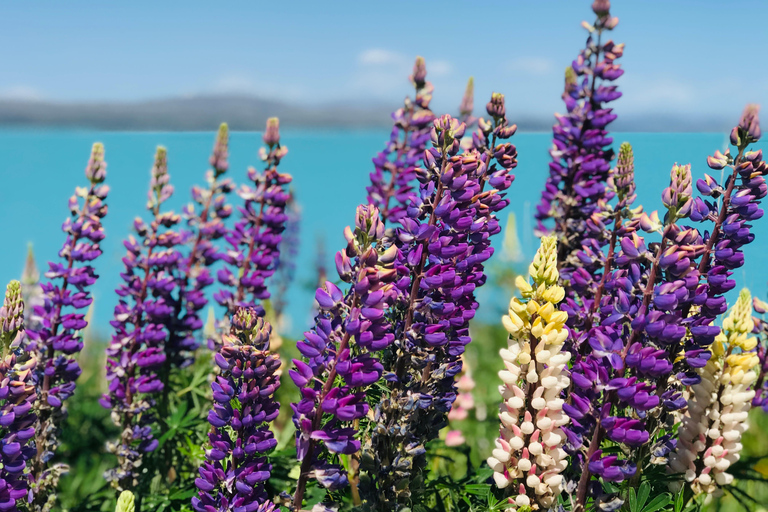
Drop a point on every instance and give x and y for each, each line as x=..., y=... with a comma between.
x=688, y=57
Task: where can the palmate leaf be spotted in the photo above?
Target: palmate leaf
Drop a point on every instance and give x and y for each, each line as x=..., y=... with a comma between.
x=176, y=422
x=636, y=500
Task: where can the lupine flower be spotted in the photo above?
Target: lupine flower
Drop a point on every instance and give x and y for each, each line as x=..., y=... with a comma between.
x=17, y=396
x=191, y=276
x=126, y=502
x=761, y=329
x=468, y=104
x=710, y=435
x=395, y=167
x=748, y=129
x=465, y=401
x=11, y=314
x=454, y=438
x=205, y=218
x=31, y=290
x=54, y=337
x=333, y=374
x=731, y=209
x=576, y=188
x=529, y=457
x=650, y=325
x=639, y=316
x=443, y=243
x=624, y=350
x=289, y=250
x=284, y=274
x=136, y=353
x=233, y=475
x=255, y=239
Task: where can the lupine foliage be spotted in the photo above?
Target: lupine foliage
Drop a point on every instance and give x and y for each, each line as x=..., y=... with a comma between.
x=622, y=388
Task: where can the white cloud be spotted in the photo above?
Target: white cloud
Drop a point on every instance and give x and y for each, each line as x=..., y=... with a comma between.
x=537, y=66
x=380, y=56
x=234, y=83
x=439, y=68
x=379, y=82
x=659, y=93
x=382, y=72
x=20, y=93
x=243, y=84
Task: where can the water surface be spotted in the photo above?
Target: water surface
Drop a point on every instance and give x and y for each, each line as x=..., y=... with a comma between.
x=39, y=170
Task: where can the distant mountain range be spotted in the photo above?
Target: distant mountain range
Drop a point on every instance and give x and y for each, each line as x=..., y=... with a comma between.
x=250, y=113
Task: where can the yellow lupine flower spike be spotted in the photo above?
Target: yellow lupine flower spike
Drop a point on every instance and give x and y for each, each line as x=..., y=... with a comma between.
x=530, y=446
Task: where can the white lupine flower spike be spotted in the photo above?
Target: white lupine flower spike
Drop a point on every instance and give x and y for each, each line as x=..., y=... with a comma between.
x=529, y=457
x=710, y=433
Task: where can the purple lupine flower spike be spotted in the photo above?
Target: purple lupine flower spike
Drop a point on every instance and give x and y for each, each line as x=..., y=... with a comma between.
x=289, y=250
x=443, y=242
x=651, y=338
x=54, y=337
x=17, y=398
x=233, y=475
x=31, y=290
x=748, y=129
x=731, y=209
x=761, y=329
x=332, y=374
x=136, y=353
x=648, y=334
x=623, y=362
x=576, y=187
x=255, y=240
x=394, y=173
x=468, y=104
x=205, y=218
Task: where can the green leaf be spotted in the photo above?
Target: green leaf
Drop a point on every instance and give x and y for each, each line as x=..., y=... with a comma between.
x=183, y=495
x=170, y=433
x=658, y=503
x=679, y=503
x=478, y=489
x=632, y=501
x=125, y=503
x=642, y=494
x=178, y=414
x=483, y=474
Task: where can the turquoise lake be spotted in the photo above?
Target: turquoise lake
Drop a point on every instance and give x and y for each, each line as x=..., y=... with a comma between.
x=39, y=170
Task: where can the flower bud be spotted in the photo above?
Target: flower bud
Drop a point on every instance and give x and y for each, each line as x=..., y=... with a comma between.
x=467, y=102
x=495, y=107
x=12, y=313
x=272, y=133
x=749, y=125
x=96, y=169
x=419, y=75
